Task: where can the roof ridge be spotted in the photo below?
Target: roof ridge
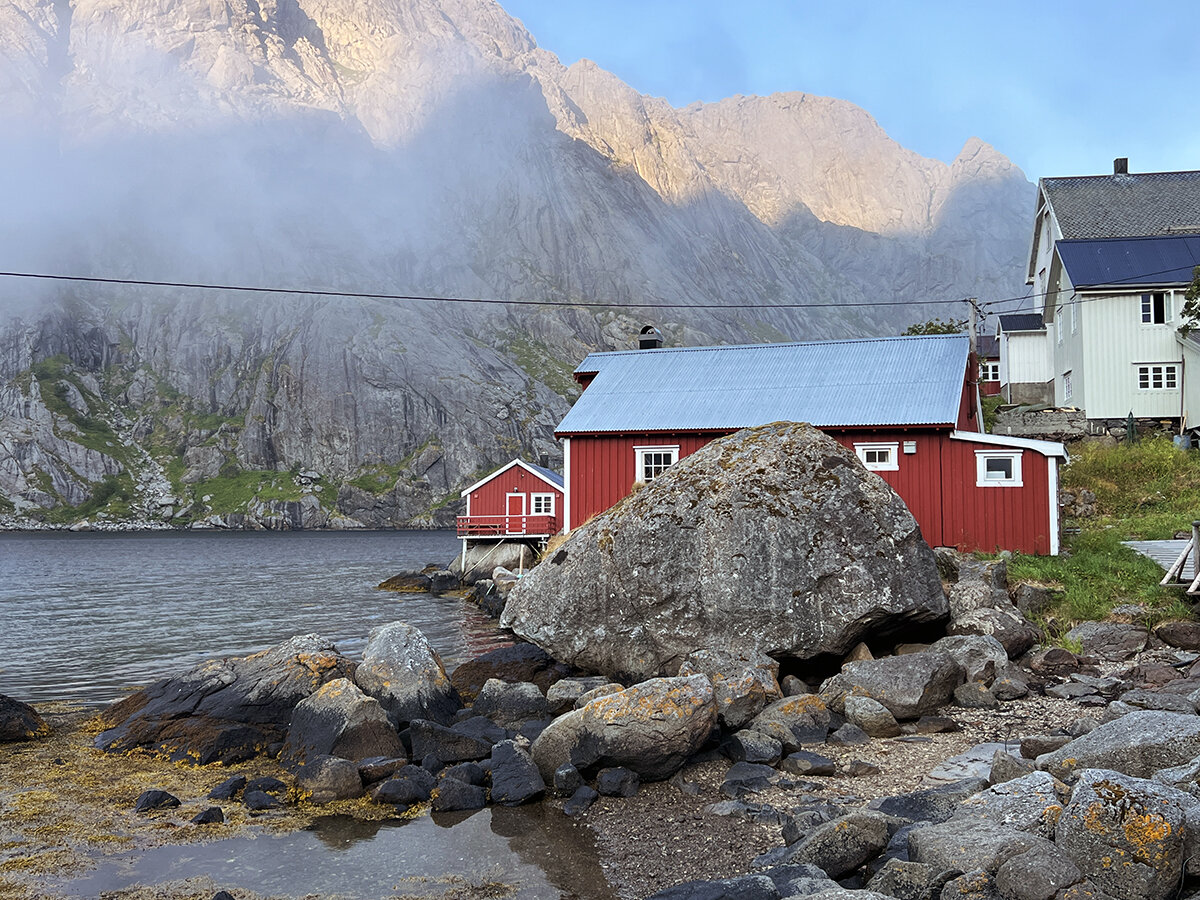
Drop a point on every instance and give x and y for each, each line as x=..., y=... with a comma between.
x=866, y=340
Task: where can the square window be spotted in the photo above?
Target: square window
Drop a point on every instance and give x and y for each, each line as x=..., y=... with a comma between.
x=653, y=461
x=543, y=504
x=998, y=468
x=1154, y=308
x=879, y=457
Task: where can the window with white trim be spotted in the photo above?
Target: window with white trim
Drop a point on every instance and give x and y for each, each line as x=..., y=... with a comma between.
x=998, y=468
x=543, y=504
x=1074, y=317
x=1156, y=309
x=989, y=371
x=1158, y=378
x=1058, y=323
x=1067, y=385
x=653, y=461
x=879, y=457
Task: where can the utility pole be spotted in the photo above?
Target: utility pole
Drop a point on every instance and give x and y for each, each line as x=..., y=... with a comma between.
x=972, y=323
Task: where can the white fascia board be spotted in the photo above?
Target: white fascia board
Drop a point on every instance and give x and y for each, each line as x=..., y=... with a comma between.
x=1046, y=448
x=516, y=462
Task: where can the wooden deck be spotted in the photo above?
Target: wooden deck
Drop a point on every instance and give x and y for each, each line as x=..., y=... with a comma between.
x=1165, y=553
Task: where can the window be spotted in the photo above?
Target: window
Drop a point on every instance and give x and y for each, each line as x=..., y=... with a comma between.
x=998, y=468
x=653, y=461
x=879, y=457
x=1158, y=378
x=1074, y=317
x=543, y=504
x=1066, y=385
x=1154, y=308
x=1058, y=323
x=989, y=371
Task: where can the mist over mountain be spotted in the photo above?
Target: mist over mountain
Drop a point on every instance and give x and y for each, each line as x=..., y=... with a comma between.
x=405, y=147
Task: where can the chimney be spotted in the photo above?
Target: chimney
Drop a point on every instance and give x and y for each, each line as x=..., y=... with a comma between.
x=650, y=338
x=1121, y=165
x=544, y=460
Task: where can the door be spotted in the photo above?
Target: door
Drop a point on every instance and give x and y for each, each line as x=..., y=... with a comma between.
x=514, y=514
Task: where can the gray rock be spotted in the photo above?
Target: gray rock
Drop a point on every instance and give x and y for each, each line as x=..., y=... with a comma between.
x=973, y=763
x=510, y=705
x=974, y=885
x=1034, y=745
x=567, y=780
x=650, y=728
x=796, y=880
x=401, y=670
x=1184, y=635
x=212, y=815
x=617, y=782
x=849, y=735
x=448, y=745
x=910, y=686
x=408, y=787
x=805, y=762
x=753, y=746
x=1161, y=700
x=973, y=695
x=1072, y=690
x=1126, y=834
x=328, y=778
x=1014, y=632
x=794, y=721
x=454, y=795
x=228, y=789
x=515, y=776
x=1053, y=661
x=1010, y=686
x=377, y=768
x=861, y=768
x=603, y=690
x=936, y=804
x=743, y=887
x=1109, y=640
x=467, y=773
x=561, y=695
x=903, y=880
x=579, y=802
x=150, y=801
x=1029, y=803
x=967, y=845
x=340, y=720
x=871, y=716
x=1138, y=744
x=841, y=846
x=259, y=801
x=20, y=721
x=745, y=778
x=743, y=684
x=1037, y=874
x=224, y=710
x=936, y=725
x=755, y=496
x=482, y=558
x=518, y=663
x=982, y=657
x=1033, y=599
x=1006, y=767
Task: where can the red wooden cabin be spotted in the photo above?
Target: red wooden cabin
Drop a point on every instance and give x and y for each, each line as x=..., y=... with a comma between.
x=907, y=406
x=519, y=500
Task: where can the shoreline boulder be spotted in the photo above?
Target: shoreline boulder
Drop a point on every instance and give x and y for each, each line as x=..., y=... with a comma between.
x=340, y=720
x=403, y=672
x=20, y=721
x=774, y=539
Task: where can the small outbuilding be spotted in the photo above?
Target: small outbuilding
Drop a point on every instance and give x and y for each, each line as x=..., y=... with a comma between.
x=519, y=502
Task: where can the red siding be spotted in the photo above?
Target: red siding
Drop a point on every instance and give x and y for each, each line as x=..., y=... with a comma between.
x=937, y=482
x=489, y=498
x=989, y=388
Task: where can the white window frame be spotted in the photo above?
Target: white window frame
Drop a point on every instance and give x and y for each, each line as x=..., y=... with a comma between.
x=892, y=449
x=640, y=454
x=1067, y=388
x=1075, y=316
x=1058, y=324
x=1166, y=374
x=533, y=504
x=1148, y=307
x=989, y=371
x=981, y=468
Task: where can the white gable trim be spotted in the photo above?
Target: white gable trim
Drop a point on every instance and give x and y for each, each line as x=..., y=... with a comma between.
x=516, y=462
x=1046, y=448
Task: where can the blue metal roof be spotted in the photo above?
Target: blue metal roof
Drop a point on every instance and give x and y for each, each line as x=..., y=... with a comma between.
x=880, y=381
x=1130, y=262
x=1022, y=322
x=546, y=473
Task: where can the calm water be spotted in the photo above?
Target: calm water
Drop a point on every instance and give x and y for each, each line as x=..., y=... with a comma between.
x=88, y=616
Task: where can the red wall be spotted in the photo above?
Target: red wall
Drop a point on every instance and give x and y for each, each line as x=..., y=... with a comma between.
x=488, y=498
x=938, y=483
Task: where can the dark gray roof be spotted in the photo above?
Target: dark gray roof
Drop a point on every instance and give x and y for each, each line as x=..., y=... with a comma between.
x=1131, y=262
x=881, y=381
x=987, y=346
x=1109, y=206
x=1022, y=322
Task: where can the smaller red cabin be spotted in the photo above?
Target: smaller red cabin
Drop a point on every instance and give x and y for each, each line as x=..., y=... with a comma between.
x=519, y=500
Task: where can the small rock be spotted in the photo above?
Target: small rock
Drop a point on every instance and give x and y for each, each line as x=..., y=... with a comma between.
x=452, y=795
x=1006, y=767
x=1184, y=635
x=228, y=789
x=580, y=801
x=871, y=716
x=408, y=787
x=1053, y=661
x=467, y=773
x=1109, y=640
x=849, y=735
x=857, y=768
x=148, y=801
x=267, y=785
x=567, y=780
x=329, y=778
x=753, y=746
x=20, y=721
x=510, y=705
x=841, y=846
x=1037, y=874
x=936, y=725
x=617, y=782
x=973, y=695
x=378, y=768
x=746, y=778
x=256, y=801
x=211, y=816
x=804, y=762
x=1034, y=745
x=515, y=776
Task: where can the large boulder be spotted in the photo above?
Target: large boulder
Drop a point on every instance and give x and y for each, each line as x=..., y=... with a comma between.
x=403, y=672
x=20, y=721
x=224, y=710
x=773, y=539
x=340, y=720
x=910, y=686
x=1138, y=744
x=650, y=728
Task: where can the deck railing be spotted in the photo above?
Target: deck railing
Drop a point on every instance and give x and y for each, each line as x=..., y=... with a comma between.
x=1175, y=573
x=507, y=526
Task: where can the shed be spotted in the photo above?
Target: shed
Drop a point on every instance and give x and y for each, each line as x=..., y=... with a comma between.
x=906, y=406
x=518, y=500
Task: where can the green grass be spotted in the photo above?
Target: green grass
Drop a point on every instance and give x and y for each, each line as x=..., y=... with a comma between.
x=233, y=490
x=1146, y=491
x=988, y=407
x=53, y=375
x=111, y=496
x=537, y=361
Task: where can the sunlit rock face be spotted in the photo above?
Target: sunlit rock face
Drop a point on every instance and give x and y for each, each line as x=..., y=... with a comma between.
x=412, y=147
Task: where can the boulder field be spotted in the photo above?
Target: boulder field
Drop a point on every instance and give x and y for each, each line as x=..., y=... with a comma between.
x=772, y=540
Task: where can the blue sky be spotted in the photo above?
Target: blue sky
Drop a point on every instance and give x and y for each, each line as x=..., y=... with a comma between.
x=1061, y=88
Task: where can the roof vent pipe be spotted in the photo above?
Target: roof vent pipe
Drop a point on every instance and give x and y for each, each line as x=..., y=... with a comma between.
x=650, y=338
x=1121, y=165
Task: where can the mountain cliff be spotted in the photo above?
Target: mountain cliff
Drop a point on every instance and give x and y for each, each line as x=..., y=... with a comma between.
x=404, y=147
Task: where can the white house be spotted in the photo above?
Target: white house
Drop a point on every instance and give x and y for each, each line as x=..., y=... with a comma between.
x=1026, y=372
x=1111, y=258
